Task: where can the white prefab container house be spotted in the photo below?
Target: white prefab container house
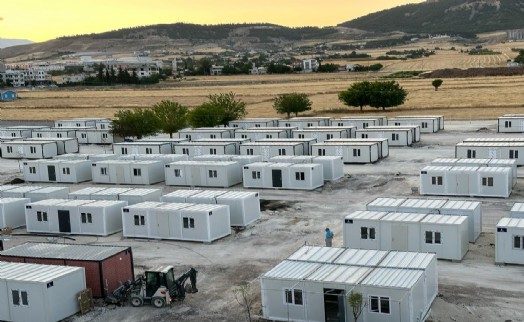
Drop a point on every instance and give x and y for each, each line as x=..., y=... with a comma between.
x=29, y=149
x=446, y=236
x=23, y=131
x=78, y=122
x=256, y=134
x=136, y=221
x=205, y=223
x=289, y=130
x=359, y=123
x=333, y=166
x=135, y=196
x=33, y=292
x=6, y=187
x=205, y=197
x=236, y=141
x=12, y=212
x=509, y=241
x=103, y=157
x=100, y=218
x=85, y=193
x=164, y=158
x=510, y=124
x=81, y=133
x=48, y=193
x=207, y=133
x=283, y=175
x=426, y=124
x=491, y=150
x=19, y=191
x=303, y=122
x=241, y=159
x=381, y=119
x=439, y=118
x=128, y=172
x=179, y=196
x=203, y=173
x=396, y=136
x=98, y=136
x=172, y=141
x=351, y=152
x=106, y=194
x=315, y=284
x=466, y=181
x=362, y=229
x=57, y=170
x=517, y=210
x=244, y=207
x=268, y=150
x=480, y=163
x=53, y=133
x=125, y=148
x=306, y=142
x=193, y=149
x=64, y=145
x=254, y=122
x=383, y=151
x=324, y=133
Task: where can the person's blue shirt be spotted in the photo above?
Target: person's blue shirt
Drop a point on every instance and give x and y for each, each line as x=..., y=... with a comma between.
x=329, y=234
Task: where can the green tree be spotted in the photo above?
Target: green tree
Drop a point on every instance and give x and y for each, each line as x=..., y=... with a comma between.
x=357, y=304
x=436, y=83
x=387, y=94
x=327, y=68
x=137, y=123
x=357, y=95
x=204, y=66
x=227, y=107
x=520, y=58
x=292, y=103
x=204, y=115
x=171, y=116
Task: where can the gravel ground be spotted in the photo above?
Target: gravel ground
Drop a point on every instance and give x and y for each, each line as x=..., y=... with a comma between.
x=473, y=290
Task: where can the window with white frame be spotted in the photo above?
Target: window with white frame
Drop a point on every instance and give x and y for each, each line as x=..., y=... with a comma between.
x=19, y=297
x=507, y=124
x=243, y=136
x=269, y=136
x=59, y=135
x=364, y=125
x=249, y=151
x=329, y=136
x=38, y=135
x=363, y=135
x=185, y=151
x=487, y=181
x=255, y=174
x=518, y=242
x=281, y=151
x=103, y=171
x=178, y=173
x=66, y=170
x=83, y=135
x=321, y=152
x=104, y=135
x=213, y=173
x=9, y=149
x=212, y=136
x=32, y=149
x=149, y=150
x=188, y=222
x=379, y=304
x=41, y=216
x=397, y=123
x=394, y=136
x=212, y=151
x=301, y=176
x=471, y=154
x=301, y=136
x=433, y=237
x=513, y=154
x=124, y=150
x=137, y=172
x=32, y=170
x=139, y=220
x=293, y=296
x=436, y=180
x=367, y=233
x=86, y=218
x=424, y=125
x=356, y=152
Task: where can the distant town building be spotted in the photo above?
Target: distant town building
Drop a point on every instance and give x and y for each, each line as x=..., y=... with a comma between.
x=68, y=79
x=216, y=70
x=7, y=95
x=516, y=35
x=309, y=65
x=14, y=77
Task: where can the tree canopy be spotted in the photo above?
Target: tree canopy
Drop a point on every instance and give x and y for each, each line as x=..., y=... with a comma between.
x=171, y=116
x=204, y=115
x=292, y=103
x=436, y=83
x=228, y=107
x=387, y=94
x=135, y=123
x=357, y=95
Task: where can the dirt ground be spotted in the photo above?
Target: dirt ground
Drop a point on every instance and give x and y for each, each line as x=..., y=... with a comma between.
x=473, y=290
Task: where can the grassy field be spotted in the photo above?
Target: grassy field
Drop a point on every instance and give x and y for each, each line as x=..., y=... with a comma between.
x=468, y=98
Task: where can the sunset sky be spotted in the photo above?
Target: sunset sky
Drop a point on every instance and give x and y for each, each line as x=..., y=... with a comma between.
x=39, y=20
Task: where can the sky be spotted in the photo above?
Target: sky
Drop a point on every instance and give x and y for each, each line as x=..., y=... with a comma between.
x=40, y=20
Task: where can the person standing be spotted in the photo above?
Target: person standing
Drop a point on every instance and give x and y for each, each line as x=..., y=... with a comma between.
x=329, y=237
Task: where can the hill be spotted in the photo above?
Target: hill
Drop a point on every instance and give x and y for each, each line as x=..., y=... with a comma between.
x=4, y=42
x=445, y=16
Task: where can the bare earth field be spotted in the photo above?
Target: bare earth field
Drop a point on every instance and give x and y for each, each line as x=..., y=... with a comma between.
x=473, y=290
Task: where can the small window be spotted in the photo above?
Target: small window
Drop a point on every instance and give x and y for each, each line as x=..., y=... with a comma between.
x=297, y=294
x=363, y=233
x=517, y=242
x=255, y=174
x=436, y=181
x=149, y=150
x=32, y=170
x=321, y=152
x=185, y=151
x=9, y=149
x=364, y=136
x=249, y=151
x=103, y=126
x=471, y=154
x=329, y=136
x=379, y=304
x=293, y=296
x=424, y=125
x=104, y=135
x=243, y=136
x=371, y=233
x=188, y=222
x=32, y=149
x=487, y=181
x=212, y=136
x=300, y=176
x=212, y=151
x=59, y=135
x=38, y=135
x=397, y=123
x=281, y=151
x=66, y=171
x=137, y=172
x=137, y=220
x=39, y=216
x=438, y=237
x=213, y=174
x=394, y=136
x=288, y=296
x=365, y=125
x=124, y=150
x=44, y=216
x=507, y=124
x=83, y=135
x=373, y=304
x=16, y=297
x=301, y=136
x=513, y=154
x=103, y=171
x=356, y=152
x=142, y=220
x=83, y=217
x=429, y=237
x=178, y=173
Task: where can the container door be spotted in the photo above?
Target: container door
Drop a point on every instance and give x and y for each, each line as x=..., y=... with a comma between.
x=462, y=184
x=277, y=178
x=64, y=221
x=120, y=174
x=399, y=237
x=162, y=221
x=196, y=176
x=51, y=172
x=334, y=305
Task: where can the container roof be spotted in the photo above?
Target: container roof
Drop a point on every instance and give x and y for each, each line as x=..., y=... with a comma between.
x=6, y=187
x=444, y=219
x=271, y=143
x=395, y=259
x=366, y=215
x=48, y=202
x=292, y=270
x=495, y=169
x=462, y=205
x=74, y=203
x=517, y=207
x=447, y=161
x=404, y=217
x=344, y=143
x=145, y=205
x=493, y=140
x=104, y=203
x=511, y=222
x=491, y=144
x=25, y=188
x=436, y=168
x=140, y=192
x=361, y=257
x=392, y=278
x=208, y=194
x=387, y=202
x=170, y=206
x=424, y=203
x=111, y=191
x=339, y=274
x=63, y=251
x=205, y=207
x=35, y=273
x=316, y=254
x=238, y=195
x=203, y=163
x=182, y=193
x=9, y=200
x=88, y=190
x=49, y=189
